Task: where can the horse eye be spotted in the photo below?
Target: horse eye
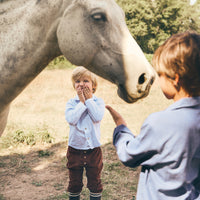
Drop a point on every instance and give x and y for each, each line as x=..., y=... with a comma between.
x=99, y=17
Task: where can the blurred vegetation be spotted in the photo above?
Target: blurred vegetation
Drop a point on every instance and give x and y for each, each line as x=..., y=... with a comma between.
x=151, y=22
x=30, y=137
x=60, y=63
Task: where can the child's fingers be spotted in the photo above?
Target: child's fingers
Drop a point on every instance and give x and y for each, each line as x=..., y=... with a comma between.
x=79, y=90
x=118, y=119
x=87, y=92
x=113, y=112
x=110, y=108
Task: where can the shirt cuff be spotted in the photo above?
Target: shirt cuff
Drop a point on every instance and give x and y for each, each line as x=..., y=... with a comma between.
x=119, y=129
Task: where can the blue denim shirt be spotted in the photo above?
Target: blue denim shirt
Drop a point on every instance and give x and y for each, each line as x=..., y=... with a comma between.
x=84, y=121
x=168, y=149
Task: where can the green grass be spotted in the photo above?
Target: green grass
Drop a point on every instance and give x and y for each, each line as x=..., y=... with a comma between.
x=58, y=197
x=44, y=153
x=1, y=197
x=36, y=183
x=30, y=137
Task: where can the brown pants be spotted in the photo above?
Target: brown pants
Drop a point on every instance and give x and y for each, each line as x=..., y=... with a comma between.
x=92, y=161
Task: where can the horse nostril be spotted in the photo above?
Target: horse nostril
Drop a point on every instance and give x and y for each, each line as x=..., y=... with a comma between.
x=142, y=79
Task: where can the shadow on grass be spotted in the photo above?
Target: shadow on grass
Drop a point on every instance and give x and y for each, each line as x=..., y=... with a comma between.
x=41, y=174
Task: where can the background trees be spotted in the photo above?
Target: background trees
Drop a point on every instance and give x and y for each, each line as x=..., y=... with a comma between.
x=151, y=22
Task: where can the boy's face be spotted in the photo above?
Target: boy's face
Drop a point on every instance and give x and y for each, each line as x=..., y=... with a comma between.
x=83, y=81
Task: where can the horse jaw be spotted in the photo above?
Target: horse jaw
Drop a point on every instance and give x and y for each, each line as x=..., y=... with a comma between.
x=139, y=73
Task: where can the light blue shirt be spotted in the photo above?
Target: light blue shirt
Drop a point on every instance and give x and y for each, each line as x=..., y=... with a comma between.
x=84, y=121
x=168, y=149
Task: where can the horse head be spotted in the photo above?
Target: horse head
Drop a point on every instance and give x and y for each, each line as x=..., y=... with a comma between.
x=94, y=34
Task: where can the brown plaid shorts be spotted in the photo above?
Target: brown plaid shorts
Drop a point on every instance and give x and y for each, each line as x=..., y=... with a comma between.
x=92, y=161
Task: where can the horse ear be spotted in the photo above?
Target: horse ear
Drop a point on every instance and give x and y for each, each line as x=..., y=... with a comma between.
x=72, y=6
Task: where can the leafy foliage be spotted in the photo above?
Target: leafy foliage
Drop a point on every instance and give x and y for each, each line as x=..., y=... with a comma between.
x=151, y=22
x=60, y=62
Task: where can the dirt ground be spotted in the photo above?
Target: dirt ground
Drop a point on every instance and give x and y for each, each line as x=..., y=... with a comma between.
x=25, y=175
x=39, y=172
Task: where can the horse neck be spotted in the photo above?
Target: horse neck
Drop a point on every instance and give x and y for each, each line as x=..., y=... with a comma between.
x=28, y=42
x=34, y=20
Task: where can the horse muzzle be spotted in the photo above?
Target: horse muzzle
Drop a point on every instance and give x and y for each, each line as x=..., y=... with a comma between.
x=141, y=90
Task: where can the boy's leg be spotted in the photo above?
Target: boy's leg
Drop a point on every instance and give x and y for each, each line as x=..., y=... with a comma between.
x=93, y=172
x=75, y=173
x=75, y=181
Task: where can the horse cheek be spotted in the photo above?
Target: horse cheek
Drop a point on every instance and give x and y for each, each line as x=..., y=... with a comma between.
x=74, y=39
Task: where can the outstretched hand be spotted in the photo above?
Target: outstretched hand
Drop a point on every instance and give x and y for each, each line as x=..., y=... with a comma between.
x=118, y=119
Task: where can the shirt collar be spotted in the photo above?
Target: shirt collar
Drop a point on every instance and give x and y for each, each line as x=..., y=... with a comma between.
x=185, y=102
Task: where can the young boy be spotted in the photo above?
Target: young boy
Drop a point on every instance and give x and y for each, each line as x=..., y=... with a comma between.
x=168, y=146
x=84, y=114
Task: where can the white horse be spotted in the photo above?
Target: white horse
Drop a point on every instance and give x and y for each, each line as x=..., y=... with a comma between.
x=91, y=33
